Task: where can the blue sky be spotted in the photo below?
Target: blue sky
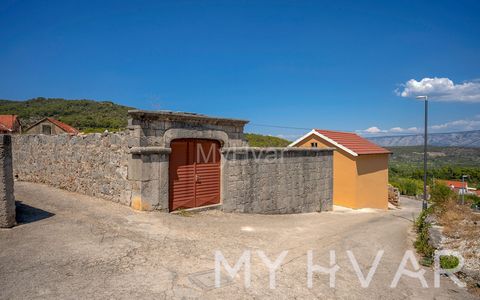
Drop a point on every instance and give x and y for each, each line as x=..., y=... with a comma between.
x=326, y=64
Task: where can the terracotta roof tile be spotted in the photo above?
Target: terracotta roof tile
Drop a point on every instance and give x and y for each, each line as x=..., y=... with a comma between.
x=67, y=128
x=454, y=183
x=8, y=121
x=353, y=142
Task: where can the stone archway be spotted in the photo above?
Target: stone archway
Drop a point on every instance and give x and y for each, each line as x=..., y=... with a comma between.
x=206, y=134
x=152, y=134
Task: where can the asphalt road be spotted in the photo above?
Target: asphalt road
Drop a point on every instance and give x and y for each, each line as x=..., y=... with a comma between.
x=73, y=246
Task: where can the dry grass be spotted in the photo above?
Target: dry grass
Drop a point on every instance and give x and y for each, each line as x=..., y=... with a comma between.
x=461, y=226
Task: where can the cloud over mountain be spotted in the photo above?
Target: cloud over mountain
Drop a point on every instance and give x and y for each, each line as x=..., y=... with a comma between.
x=441, y=89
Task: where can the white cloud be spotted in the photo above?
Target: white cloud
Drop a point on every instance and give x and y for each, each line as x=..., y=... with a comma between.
x=373, y=129
x=395, y=130
x=441, y=89
x=458, y=125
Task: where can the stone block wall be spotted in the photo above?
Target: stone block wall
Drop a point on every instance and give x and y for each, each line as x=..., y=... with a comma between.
x=93, y=164
x=7, y=199
x=277, y=180
x=132, y=168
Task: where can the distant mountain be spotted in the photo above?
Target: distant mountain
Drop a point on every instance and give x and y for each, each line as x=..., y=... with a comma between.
x=451, y=139
x=86, y=115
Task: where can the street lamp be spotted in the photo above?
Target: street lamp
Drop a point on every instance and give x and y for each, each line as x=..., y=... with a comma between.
x=424, y=203
x=464, y=188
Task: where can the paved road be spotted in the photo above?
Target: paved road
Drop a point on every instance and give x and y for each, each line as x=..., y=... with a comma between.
x=74, y=246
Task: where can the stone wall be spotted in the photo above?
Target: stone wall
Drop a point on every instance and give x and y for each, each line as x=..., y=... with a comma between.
x=133, y=167
x=7, y=199
x=93, y=164
x=277, y=180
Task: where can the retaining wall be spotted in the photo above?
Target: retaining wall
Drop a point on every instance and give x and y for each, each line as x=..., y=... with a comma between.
x=7, y=199
x=93, y=164
x=277, y=180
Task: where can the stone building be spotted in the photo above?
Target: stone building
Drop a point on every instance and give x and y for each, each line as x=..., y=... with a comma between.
x=51, y=126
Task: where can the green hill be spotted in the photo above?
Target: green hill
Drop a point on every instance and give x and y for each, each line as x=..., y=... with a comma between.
x=258, y=140
x=85, y=115
x=443, y=163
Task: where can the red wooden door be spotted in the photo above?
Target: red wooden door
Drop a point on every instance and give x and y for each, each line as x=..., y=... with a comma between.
x=194, y=173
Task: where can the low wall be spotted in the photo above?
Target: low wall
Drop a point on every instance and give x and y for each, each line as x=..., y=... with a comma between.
x=277, y=180
x=7, y=199
x=93, y=164
x=254, y=180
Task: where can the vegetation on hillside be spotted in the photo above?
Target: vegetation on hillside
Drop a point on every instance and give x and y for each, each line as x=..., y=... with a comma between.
x=85, y=115
x=437, y=156
x=406, y=167
x=258, y=140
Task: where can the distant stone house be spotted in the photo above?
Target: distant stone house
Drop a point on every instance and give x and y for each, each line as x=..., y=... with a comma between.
x=50, y=126
x=10, y=124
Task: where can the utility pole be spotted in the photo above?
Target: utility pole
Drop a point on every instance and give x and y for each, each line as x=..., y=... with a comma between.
x=464, y=188
x=425, y=142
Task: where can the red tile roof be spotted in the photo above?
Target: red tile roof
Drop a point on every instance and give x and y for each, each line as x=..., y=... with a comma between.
x=4, y=129
x=67, y=128
x=8, y=121
x=353, y=142
x=455, y=184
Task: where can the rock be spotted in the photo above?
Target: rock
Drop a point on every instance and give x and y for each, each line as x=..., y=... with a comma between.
x=393, y=195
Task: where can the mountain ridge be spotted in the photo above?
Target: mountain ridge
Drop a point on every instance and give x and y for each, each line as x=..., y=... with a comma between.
x=450, y=139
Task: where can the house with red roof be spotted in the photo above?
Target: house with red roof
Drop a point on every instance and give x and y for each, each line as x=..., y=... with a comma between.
x=460, y=187
x=456, y=185
x=360, y=167
x=10, y=124
x=51, y=126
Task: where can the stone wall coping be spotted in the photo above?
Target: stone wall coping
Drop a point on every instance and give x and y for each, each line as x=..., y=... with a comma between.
x=183, y=116
x=150, y=150
x=274, y=149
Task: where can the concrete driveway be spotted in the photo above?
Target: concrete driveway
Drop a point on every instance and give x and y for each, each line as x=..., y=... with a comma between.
x=74, y=246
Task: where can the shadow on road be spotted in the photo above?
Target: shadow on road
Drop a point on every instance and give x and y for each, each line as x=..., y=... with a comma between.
x=29, y=214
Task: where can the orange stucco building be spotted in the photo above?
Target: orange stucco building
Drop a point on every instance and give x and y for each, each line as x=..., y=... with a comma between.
x=360, y=168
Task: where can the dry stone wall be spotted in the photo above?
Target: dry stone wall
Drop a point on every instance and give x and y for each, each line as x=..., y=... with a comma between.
x=7, y=199
x=132, y=168
x=277, y=180
x=93, y=164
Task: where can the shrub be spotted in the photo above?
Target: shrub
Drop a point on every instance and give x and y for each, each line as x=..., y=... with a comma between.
x=422, y=243
x=440, y=194
x=407, y=186
x=448, y=261
x=473, y=200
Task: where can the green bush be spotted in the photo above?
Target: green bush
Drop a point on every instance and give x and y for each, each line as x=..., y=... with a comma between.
x=422, y=243
x=448, y=262
x=440, y=193
x=407, y=186
x=473, y=200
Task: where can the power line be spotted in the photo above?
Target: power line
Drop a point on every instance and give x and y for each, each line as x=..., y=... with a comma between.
x=277, y=126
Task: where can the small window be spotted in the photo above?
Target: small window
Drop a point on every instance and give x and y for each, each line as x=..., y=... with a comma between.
x=314, y=144
x=46, y=129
